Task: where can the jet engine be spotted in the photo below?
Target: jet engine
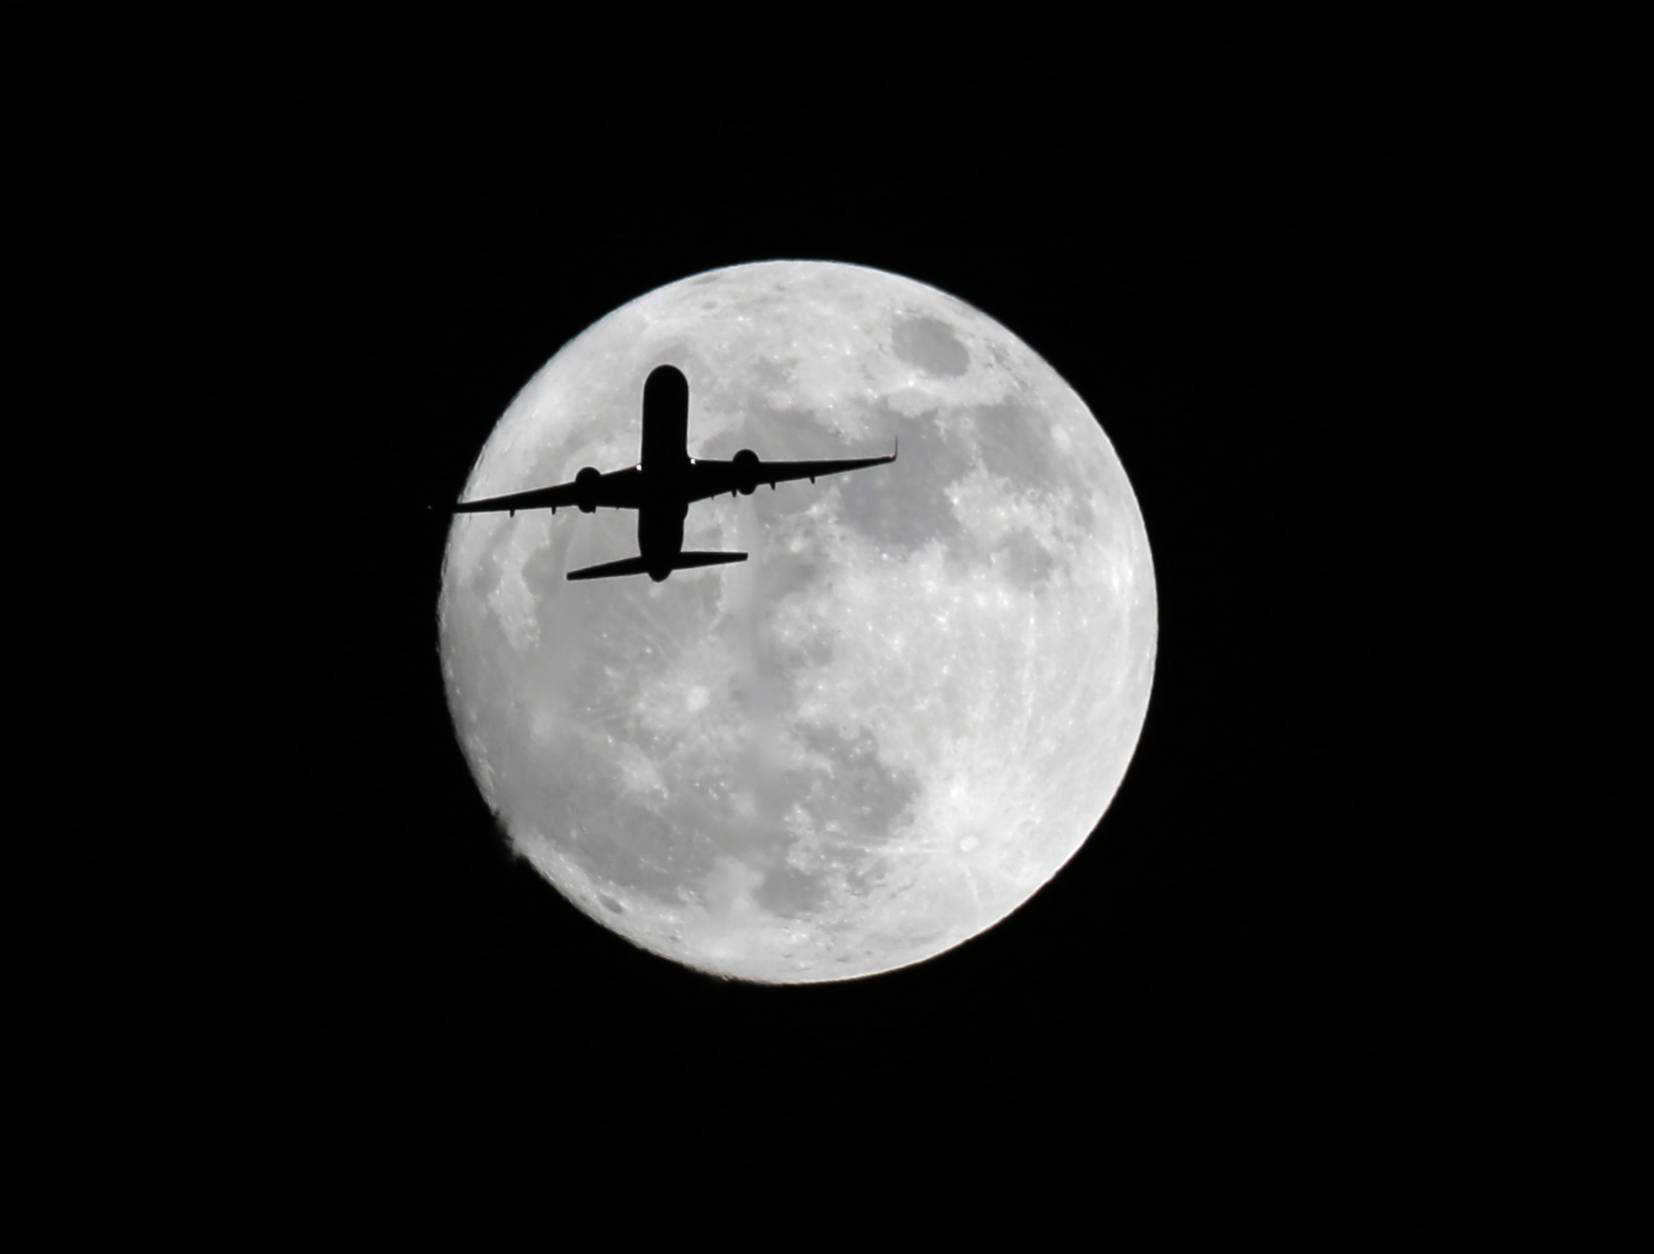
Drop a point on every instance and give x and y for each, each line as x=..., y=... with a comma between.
x=746, y=465
x=585, y=485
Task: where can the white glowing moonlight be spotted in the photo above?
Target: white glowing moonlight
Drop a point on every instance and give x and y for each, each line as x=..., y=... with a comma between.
x=890, y=726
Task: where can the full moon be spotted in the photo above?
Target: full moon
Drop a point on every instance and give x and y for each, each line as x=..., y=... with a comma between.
x=893, y=723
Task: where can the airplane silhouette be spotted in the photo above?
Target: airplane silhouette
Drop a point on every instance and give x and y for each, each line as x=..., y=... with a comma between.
x=663, y=485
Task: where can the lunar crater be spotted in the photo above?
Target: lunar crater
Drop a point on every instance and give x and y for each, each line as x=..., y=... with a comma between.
x=930, y=344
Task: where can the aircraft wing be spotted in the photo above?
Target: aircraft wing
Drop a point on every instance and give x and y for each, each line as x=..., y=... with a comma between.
x=589, y=490
x=745, y=471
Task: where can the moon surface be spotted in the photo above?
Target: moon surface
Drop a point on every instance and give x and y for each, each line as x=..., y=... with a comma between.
x=896, y=720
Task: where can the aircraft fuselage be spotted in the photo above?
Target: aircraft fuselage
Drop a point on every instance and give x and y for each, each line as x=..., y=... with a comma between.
x=660, y=534
x=665, y=467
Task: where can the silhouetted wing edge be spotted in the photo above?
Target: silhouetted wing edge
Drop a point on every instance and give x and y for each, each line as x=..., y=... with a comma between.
x=616, y=490
x=714, y=478
x=539, y=498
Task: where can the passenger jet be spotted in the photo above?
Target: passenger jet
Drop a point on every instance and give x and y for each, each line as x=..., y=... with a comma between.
x=663, y=485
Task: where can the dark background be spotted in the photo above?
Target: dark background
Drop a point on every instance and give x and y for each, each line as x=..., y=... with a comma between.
x=1181, y=957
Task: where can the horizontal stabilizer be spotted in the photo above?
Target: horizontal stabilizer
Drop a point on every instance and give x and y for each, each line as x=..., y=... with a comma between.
x=705, y=559
x=608, y=570
x=637, y=566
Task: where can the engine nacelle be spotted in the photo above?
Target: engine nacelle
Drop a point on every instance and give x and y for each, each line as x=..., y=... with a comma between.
x=585, y=485
x=746, y=466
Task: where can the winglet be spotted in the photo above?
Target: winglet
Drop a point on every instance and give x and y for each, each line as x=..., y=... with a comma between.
x=895, y=446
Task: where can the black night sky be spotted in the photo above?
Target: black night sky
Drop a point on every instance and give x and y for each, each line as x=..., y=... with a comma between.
x=1178, y=951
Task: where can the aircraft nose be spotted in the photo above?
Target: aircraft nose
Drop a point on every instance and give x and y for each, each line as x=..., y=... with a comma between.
x=666, y=381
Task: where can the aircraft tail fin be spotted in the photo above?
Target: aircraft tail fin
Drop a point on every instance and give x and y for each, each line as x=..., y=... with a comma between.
x=637, y=566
